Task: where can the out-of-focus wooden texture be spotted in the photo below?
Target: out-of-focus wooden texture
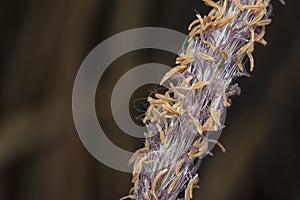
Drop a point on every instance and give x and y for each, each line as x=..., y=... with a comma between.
x=41, y=156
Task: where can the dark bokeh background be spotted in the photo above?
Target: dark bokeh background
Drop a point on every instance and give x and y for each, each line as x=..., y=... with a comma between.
x=42, y=46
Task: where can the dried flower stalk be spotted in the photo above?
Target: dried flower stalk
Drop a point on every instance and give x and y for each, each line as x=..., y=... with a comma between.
x=180, y=121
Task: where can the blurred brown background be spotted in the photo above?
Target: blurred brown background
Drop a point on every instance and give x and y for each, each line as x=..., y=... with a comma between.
x=42, y=46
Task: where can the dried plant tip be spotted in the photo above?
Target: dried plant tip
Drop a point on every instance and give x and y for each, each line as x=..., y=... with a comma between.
x=205, y=56
x=178, y=166
x=225, y=100
x=172, y=185
x=161, y=133
x=251, y=60
x=165, y=98
x=255, y=7
x=239, y=5
x=128, y=197
x=171, y=73
x=199, y=85
x=264, y=22
x=219, y=144
x=216, y=115
x=189, y=190
x=224, y=20
x=156, y=179
x=211, y=3
x=146, y=196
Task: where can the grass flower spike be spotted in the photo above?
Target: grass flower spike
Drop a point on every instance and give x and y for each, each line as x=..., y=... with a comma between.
x=180, y=121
